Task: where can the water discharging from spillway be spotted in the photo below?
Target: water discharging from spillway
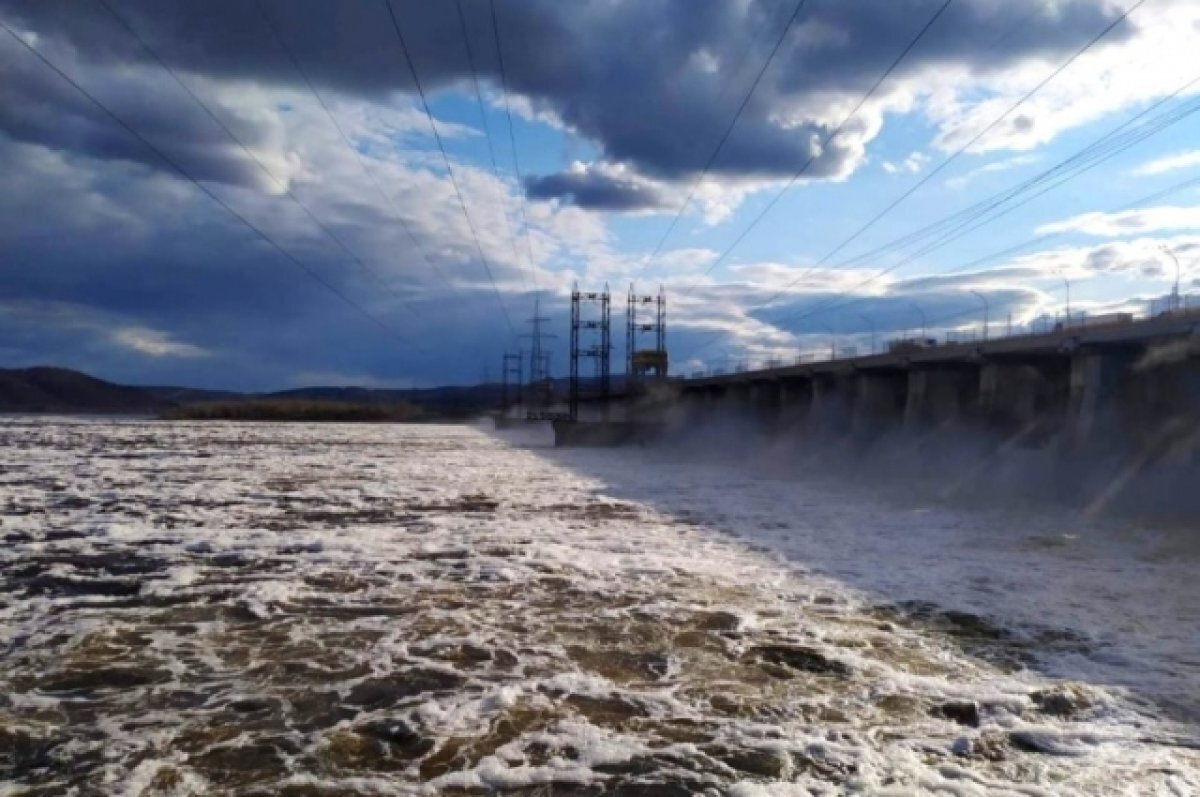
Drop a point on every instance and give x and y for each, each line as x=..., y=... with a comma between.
x=358, y=610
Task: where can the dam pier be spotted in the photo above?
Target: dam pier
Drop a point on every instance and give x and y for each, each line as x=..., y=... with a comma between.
x=1110, y=401
x=1111, y=382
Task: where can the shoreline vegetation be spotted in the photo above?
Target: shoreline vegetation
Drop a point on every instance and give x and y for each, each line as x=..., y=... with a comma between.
x=305, y=410
x=47, y=390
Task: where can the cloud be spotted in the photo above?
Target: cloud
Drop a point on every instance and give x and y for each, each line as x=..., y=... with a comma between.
x=155, y=343
x=597, y=187
x=1110, y=225
x=90, y=220
x=1168, y=163
x=136, y=250
x=651, y=85
x=1001, y=275
x=93, y=332
x=1138, y=259
x=1005, y=165
x=912, y=164
x=805, y=323
x=731, y=324
x=1138, y=60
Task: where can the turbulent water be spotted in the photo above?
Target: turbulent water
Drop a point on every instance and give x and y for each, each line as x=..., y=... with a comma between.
x=357, y=610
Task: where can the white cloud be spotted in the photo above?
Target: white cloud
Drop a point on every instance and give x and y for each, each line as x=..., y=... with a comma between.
x=990, y=168
x=154, y=343
x=799, y=280
x=719, y=199
x=1109, y=77
x=1128, y=222
x=329, y=179
x=99, y=326
x=912, y=164
x=1116, y=273
x=677, y=263
x=1168, y=163
x=1137, y=259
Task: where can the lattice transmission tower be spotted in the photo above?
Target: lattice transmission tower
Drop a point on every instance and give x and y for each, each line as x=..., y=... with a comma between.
x=512, y=379
x=541, y=382
x=591, y=338
x=643, y=362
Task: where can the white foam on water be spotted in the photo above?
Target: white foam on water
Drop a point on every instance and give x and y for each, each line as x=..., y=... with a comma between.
x=537, y=618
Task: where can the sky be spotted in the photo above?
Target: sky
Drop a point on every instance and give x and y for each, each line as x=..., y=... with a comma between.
x=265, y=194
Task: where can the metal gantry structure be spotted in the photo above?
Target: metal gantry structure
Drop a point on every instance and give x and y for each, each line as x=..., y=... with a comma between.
x=643, y=362
x=591, y=338
x=512, y=375
x=541, y=384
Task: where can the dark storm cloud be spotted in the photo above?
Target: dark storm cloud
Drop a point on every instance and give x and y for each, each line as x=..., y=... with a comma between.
x=88, y=254
x=595, y=190
x=258, y=321
x=94, y=224
x=651, y=83
x=968, y=279
x=893, y=313
x=39, y=107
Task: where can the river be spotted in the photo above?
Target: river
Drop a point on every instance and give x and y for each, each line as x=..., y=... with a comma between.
x=314, y=610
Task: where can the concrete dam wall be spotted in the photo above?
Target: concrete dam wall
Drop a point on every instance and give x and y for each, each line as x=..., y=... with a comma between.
x=1106, y=418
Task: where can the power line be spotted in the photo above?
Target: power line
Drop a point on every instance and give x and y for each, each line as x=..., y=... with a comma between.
x=991, y=126
x=725, y=136
x=1158, y=195
x=1103, y=155
x=824, y=144
x=980, y=208
x=487, y=128
x=1040, y=239
x=1099, y=151
x=955, y=155
x=1153, y=197
x=412, y=68
x=370, y=175
x=124, y=23
x=174, y=165
x=994, y=45
x=1025, y=98
x=512, y=140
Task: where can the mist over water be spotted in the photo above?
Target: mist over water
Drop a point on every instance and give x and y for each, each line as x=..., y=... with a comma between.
x=965, y=462
x=359, y=609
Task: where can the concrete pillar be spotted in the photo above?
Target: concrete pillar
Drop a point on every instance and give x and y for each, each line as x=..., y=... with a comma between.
x=1161, y=406
x=879, y=401
x=938, y=396
x=1095, y=410
x=765, y=397
x=1025, y=399
x=832, y=404
x=795, y=401
x=738, y=398
x=692, y=404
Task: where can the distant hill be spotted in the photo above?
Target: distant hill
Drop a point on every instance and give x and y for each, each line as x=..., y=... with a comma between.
x=61, y=390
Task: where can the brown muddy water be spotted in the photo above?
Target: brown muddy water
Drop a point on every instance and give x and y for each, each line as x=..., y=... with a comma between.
x=256, y=609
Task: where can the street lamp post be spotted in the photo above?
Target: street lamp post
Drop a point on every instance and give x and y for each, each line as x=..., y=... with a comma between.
x=1067, y=283
x=924, y=321
x=832, y=343
x=983, y=299
x=1175, y=290
x=871, y=324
